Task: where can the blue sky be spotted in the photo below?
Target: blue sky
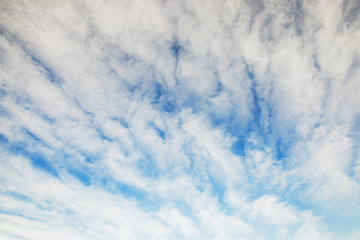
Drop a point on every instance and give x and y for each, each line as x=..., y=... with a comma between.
x=180, y=120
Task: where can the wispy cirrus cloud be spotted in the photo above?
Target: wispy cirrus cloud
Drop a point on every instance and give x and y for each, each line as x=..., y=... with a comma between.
x=179, y=120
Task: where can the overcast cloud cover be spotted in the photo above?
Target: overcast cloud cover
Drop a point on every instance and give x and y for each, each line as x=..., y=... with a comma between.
x=183, y=119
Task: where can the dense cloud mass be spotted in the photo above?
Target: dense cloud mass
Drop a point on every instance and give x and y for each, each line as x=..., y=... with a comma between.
x=184, y=119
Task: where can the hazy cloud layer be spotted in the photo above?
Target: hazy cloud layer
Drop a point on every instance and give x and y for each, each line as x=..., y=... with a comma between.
x=180, y=120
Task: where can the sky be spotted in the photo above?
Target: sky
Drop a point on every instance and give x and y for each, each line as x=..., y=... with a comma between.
x=180, y=119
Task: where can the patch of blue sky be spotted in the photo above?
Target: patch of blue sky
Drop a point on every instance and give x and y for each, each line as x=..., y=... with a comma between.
x=219, y=87
x=37, y=159
x=299, y=17
x=89, y=114
x=355, y=148
x=17, y=214
x=3, y=139
x=89, y=158
x=17, y=196
x=353, y=68
x=351, y=11
x=238, y=147
x=249, y=70
x=134, y=89
x=85, y=155
x=218, y=188
x=193, y=102
x=32, y=135
x=291, y=191
x=258, y=103
x=282, y=148
x=183, y=207
x=230, y=122
x=81, y=175
x=102, y=135
x=258, y=188
x=237, y=126
x=280, y=141
x=256, y=110
x=160, y=132
x=126, y=190
x=244, y=127
x=176, y=49
x=12, y=235
x=342, y=225
x=294, y=193
x=200, y=180
x=49, y=73
x=123, y=56
x=45, y=117
x=218, y=191
x=148, y=167
x=163, y=99
x=316, y=63
x=168, y=106
x=193, y=166
x=121, y=120
x=243, y=143
x=2, y=93
x=193, y=158
x=24, y=100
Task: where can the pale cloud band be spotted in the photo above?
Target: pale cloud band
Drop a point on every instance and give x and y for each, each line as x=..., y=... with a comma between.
x=179, y=119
